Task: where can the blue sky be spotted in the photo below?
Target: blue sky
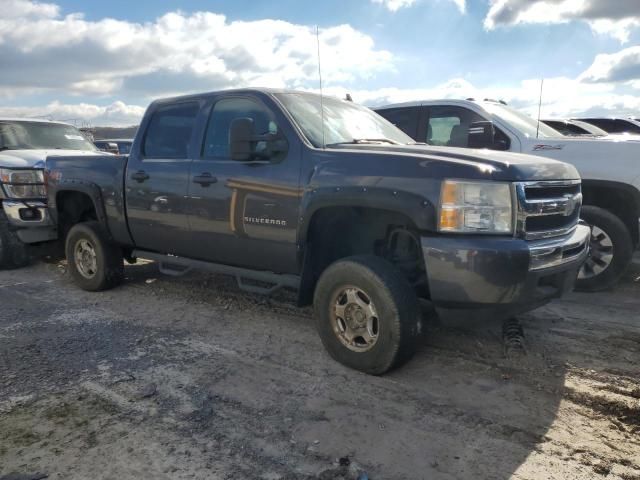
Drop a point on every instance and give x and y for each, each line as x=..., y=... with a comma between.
x=102, y=62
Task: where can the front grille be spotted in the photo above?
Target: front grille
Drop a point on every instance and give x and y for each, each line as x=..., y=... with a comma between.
x=548, y=208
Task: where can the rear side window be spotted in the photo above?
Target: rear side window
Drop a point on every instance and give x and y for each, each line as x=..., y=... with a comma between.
x=169, y=131
x=406, y=119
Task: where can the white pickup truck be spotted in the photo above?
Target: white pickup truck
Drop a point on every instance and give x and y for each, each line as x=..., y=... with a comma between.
x=24, y=146
x=610, y=168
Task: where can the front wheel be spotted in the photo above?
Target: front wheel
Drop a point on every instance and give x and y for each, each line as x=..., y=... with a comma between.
x=94, y=262
x=13, y=253
x=366, y=314
x=611, y=249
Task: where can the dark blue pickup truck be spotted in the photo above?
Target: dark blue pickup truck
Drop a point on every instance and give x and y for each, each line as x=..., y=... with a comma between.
x=288, y=189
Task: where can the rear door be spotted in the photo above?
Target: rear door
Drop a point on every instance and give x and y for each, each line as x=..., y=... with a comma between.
x=157, y=178
x=245, y=213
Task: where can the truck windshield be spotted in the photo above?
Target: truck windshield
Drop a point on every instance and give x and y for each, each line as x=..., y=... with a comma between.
x=519, y=121
x=25, y=135
x=344, y=122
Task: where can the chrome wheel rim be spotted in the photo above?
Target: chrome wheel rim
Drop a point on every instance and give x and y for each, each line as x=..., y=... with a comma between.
x=600, y=254
x=85, y=258
x=354, y=319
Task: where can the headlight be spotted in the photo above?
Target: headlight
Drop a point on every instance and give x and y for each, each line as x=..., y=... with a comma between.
x=475, y=207
x=22, y=183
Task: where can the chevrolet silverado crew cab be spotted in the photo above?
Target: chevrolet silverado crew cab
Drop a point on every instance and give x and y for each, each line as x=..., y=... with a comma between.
x=609, y=168
x=24, y=146
x=286, y=189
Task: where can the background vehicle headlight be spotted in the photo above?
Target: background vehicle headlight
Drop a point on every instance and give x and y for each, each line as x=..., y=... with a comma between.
x=22, y=183
x=475, y=207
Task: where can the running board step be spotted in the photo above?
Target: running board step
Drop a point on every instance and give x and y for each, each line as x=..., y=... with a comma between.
x=177, y=266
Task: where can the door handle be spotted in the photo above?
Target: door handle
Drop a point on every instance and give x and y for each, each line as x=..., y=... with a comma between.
x=140, y=176
x=205, y=179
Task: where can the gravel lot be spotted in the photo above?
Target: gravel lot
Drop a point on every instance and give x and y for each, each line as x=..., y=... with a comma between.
x=191, y=378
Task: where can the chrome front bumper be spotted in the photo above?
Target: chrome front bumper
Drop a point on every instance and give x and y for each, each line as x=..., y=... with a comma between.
x=573, y=247
x=30, y=220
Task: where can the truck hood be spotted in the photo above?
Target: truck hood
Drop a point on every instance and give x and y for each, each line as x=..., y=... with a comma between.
x=490, y=164
x=596, y=159
x=35, y=158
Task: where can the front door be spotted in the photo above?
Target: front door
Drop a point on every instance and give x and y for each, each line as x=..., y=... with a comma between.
x=245, y=213
x=157, y=179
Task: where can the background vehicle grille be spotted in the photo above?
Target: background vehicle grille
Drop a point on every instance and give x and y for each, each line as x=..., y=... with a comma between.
x=548, y=208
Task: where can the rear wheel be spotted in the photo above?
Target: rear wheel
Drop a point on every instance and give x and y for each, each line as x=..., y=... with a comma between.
x=94, y=262
x=366, y=314
x=611, y=249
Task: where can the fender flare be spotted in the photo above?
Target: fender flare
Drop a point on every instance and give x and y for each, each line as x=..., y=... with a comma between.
x=625, y=187
x=90, y=189
x=417, y=208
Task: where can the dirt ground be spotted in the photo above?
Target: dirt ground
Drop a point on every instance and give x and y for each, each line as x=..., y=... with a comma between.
x=189, y=377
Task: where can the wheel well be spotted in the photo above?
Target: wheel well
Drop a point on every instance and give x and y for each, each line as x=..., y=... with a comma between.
x=617, y=201
x=74, y=207
x=339, y=232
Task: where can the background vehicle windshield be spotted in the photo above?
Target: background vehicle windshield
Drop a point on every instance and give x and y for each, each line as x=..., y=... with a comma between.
x=522, y=122
x=344, y=121
x=19, y=135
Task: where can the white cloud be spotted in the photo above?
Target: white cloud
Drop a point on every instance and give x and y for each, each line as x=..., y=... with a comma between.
x=41, y=50
x=21, y=9
x=612, y=17
x=395, y=5
x=115, y=114
x=621, y=66
x=562, y=97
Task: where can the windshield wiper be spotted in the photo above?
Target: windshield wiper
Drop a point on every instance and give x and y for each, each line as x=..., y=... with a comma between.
x=364, y=141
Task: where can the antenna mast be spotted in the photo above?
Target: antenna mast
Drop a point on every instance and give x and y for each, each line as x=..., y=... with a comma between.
x=321, y=95
x=539, y=107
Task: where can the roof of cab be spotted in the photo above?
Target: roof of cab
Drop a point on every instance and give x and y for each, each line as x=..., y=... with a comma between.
x=254, y=90
x=445, y=101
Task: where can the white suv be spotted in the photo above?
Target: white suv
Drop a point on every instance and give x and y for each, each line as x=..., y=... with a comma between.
x=610, y=168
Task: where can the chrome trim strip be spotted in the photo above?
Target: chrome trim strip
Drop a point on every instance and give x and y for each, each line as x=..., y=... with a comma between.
x=550, y=183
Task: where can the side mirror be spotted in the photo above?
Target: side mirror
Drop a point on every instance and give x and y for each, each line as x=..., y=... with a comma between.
x=241, y=139
x=481, y=135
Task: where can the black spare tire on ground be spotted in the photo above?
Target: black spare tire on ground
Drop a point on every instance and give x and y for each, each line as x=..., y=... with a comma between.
x=367, y=314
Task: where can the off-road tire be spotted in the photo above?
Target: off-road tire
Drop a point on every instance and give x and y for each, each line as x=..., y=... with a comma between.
x=109, y=270
x=13, y=253
x=622, y=249
x=396, y=304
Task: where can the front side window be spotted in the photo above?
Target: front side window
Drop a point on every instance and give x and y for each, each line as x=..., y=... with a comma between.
x=216, y=142
x=530, y=127
x=25, y=135
x=449, y=126
x=169, y=131
x=339, y=121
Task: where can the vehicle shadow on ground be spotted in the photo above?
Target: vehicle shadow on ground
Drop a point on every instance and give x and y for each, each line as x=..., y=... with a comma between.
x=475, y=410
x=510, y=408
x=249, y=372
